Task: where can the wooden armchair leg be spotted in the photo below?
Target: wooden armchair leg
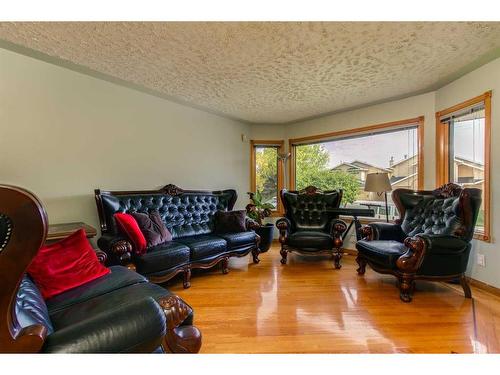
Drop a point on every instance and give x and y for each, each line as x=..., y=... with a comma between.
x=465, y=286
x=178, y=338
x=337, y=257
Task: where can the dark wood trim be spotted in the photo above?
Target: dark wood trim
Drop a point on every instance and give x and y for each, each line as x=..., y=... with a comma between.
x=28, y=229
x=179, y=338
x=280, y=145
x=63, y=230
x=419, y=121
x=187, y=268
x=443, y=154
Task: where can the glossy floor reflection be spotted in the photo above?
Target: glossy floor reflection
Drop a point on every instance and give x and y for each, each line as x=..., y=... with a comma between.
x=308, y=307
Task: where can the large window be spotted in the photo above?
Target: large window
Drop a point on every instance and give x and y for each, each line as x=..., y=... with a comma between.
x=267, y=171
x=463, y=151
x=342, y=160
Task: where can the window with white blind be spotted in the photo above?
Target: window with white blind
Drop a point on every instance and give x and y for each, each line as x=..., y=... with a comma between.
x=463, y=151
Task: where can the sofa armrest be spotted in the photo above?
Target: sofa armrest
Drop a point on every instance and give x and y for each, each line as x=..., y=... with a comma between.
x=284, y=226
x=116, y=247
x=383, y=232
x=179, y=338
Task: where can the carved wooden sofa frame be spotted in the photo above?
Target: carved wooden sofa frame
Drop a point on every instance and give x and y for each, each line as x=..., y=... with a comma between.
x=122, y=249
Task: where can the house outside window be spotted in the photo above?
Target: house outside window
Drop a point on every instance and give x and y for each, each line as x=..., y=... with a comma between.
x=463, y=151
x=343, y=160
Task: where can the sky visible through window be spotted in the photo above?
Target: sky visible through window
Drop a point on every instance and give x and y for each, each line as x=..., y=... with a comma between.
x=376, y=149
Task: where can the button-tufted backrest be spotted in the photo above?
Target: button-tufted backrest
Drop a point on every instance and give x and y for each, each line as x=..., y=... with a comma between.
x=449, y=210
x=185, y=213
x=307, y=209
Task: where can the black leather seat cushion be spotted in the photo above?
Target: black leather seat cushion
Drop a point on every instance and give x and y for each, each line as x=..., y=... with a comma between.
x=204, y=246
x=101, y=304
x=162, y=257
x=132, y=326
x=238, y=240
x=119, y=277
x=310, y=240
x=384, y=253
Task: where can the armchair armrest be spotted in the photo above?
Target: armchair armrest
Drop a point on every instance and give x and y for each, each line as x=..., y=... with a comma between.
x=444, y=244
x=116, y=247
x=283, y=225
x=383, y=232
x=338, y=227
x=251, y=224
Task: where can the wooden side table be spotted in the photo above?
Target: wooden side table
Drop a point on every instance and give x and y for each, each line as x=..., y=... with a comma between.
x=63, y=230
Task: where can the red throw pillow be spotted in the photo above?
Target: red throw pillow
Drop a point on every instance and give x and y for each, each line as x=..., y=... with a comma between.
x=66, y=264
x=128, y=225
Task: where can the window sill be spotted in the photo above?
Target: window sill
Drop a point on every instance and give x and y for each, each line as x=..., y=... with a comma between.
x=481, y=236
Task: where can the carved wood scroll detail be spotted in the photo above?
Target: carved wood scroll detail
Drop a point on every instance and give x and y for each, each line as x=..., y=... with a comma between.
x=171, y=189
x=179, y=339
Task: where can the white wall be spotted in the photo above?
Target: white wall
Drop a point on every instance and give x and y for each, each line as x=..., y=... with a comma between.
x=63, y=134
x=476, y=83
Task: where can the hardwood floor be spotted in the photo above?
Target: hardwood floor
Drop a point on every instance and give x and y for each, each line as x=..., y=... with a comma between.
x=307, y=306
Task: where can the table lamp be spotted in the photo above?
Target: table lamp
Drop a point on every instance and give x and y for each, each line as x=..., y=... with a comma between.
x=379, y=183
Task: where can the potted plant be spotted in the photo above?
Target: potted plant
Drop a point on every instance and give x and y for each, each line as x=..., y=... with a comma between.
x=258, y=210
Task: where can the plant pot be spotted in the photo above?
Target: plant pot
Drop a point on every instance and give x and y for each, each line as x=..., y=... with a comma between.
x=265, y=232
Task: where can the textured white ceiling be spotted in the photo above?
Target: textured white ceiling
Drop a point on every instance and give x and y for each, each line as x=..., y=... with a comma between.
x=267, y=72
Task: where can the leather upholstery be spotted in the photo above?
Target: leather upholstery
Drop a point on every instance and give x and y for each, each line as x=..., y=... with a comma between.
x=387, y=231
x=162, y=257
x=188, y=215
x=310, y=240
x=30, y=306
x=444, y=219
x=119, y=277
x=116, y=313
x=206, y=246
x=382, y=252
x=137, y=326
x=184, y=215
x=307, y=211
x=238, y=240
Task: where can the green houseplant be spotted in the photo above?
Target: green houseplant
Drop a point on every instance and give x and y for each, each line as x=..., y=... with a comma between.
x=258, y=211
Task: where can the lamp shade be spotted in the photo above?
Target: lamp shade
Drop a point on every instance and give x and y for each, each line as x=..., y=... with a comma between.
x=377, y=182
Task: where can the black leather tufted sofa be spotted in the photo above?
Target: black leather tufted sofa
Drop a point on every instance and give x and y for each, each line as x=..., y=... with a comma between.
x=120, y=312
x=308, y=227
x=431, y=240
x=189, y=216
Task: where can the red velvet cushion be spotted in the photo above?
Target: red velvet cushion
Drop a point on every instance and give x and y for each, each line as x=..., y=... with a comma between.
x=128, y=225
x=66, y=264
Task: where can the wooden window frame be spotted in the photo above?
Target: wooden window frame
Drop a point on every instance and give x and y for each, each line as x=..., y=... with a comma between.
x=418, y=121
x=280, y=145
x=443, y=153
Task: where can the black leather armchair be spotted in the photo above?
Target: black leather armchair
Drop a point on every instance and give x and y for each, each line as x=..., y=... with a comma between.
x=431, y=240
x=120, y=312
x=308, y=227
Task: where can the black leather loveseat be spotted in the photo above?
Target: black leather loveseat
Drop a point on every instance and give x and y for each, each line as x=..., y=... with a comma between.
x=189, y=215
